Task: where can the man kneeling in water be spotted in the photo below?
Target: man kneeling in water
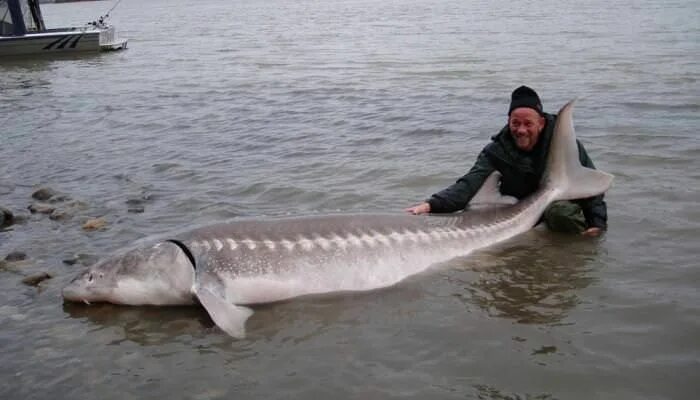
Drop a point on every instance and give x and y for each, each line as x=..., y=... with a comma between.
x=519, y=153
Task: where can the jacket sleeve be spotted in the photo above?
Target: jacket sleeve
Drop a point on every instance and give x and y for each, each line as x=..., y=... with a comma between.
x=594, y=208
x=457, y=196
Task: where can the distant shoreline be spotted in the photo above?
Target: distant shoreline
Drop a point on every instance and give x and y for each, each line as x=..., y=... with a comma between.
x=63, y=1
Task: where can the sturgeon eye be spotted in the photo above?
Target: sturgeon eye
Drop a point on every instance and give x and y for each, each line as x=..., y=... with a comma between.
x=90, y=278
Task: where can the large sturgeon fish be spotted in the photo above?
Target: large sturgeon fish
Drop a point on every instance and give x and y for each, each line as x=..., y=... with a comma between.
x=229, y=265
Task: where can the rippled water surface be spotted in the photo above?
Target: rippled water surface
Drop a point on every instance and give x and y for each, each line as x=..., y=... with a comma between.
x=226, y=109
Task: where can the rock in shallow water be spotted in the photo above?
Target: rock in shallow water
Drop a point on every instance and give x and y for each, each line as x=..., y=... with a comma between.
x=58, y=215
x=41, y=208
x=14, y=259
x=68, y=210
x=44, y=194
x=36, y=279
x=136, y=205
x=136, y=209
x=82, y=259
x=6, y=217
x=94, y=224
x=16, y=256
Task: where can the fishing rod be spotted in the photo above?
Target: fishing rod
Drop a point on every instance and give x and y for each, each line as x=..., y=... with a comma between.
x=100, y=21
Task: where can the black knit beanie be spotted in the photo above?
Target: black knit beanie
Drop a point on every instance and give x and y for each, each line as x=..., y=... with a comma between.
x=525, y=97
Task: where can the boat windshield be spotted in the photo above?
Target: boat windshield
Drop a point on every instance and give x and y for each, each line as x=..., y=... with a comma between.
x=27, y=14
x=5, y=19
x=30, y=17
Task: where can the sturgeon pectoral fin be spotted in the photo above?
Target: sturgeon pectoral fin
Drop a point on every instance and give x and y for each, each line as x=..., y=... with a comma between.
x=489, y=195
x=229, y=317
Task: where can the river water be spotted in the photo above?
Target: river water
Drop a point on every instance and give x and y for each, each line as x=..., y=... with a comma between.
x=223, y=109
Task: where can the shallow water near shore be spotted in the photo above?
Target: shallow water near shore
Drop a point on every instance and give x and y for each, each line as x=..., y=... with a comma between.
x=222, y=110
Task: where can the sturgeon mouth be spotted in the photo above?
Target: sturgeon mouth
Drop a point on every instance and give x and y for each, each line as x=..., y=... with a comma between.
x=70, y=295
x=73, y=292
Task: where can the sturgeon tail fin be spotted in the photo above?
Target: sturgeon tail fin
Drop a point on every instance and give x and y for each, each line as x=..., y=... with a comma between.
x=564, y=173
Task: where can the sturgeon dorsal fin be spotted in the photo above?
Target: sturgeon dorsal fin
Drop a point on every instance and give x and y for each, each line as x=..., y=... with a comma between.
x=489, y=195
x=227, y=316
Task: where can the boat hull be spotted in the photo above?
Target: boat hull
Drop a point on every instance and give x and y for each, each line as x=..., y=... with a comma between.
x=60, y=41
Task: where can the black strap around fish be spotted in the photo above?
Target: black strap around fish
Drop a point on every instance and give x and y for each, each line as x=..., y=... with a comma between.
x=184, y=248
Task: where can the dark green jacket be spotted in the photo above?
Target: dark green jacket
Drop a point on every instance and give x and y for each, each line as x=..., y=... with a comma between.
x=521, y=174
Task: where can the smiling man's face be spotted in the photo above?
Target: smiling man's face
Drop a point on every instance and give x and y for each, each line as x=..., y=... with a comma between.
x=525, y=125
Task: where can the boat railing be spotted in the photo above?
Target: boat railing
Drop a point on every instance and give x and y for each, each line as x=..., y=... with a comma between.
x=107, y=35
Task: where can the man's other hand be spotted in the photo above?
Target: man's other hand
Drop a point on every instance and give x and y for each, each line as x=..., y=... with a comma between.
x=422, y=208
